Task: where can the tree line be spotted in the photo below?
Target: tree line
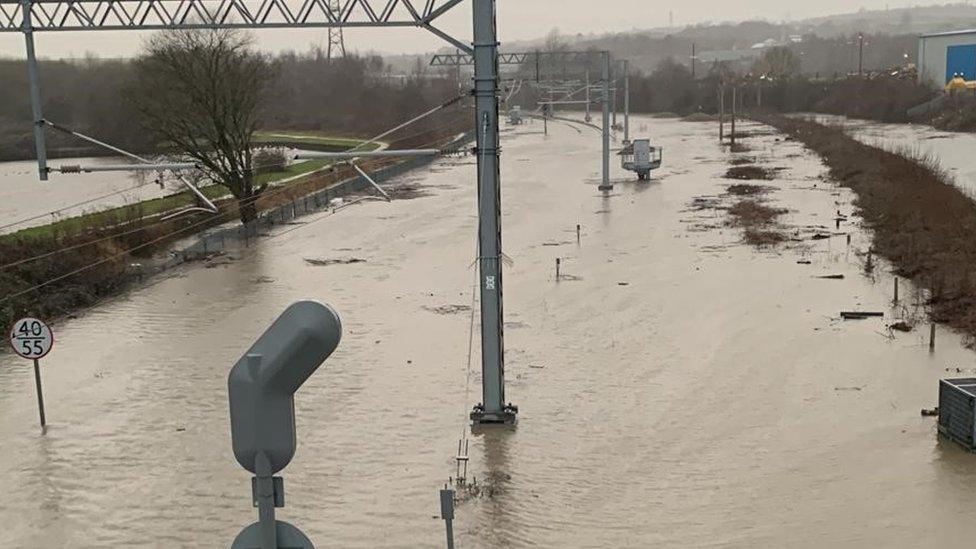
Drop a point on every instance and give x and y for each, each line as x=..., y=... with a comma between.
x=350, y=96
x=777, y=82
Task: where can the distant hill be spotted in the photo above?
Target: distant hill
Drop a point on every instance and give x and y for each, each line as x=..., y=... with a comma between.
x=647, y=48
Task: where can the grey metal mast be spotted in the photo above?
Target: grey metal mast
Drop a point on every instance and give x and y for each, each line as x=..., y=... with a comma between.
x=35, y=90
x=606, y=185
x=493, y=408
x=626, y=101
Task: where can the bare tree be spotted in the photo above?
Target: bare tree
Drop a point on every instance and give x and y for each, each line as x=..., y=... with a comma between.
x=200, y=92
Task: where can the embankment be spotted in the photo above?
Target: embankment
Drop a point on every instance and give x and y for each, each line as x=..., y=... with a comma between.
x=924, y=225
x=50, y=274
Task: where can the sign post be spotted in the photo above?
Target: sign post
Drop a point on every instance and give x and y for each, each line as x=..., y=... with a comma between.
x=33, y=339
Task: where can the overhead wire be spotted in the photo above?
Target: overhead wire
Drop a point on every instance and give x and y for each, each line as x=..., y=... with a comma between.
x=235, y=209
x=73, y=206
x=99, y=240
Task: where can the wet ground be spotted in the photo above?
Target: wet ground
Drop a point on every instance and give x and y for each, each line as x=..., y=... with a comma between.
x=678, y=388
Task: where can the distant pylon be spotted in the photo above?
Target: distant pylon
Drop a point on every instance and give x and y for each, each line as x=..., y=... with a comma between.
x=337, y=45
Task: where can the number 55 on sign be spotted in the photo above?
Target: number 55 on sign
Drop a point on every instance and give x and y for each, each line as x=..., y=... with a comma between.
x=32, y=339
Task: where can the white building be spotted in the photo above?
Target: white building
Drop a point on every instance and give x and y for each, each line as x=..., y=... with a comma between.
x=941, y=56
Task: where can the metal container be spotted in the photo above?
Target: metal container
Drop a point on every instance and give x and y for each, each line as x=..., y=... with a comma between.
x=957, y=411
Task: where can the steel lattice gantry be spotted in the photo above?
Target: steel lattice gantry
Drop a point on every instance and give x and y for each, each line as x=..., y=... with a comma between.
x=47, y=15
x=32, y=16
x=567, y=58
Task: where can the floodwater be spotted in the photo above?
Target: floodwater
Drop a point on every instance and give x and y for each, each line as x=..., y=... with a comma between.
x=952, y=150
x=26, y=199
x=677, y=388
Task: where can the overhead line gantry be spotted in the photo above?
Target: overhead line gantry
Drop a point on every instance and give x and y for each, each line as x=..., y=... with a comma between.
x=609, y=89
x=32, y=16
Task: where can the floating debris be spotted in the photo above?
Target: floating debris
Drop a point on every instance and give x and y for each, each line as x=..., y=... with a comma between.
x=860, y=315
x=407, y=192
x=934, y=412
x=327, y=262
x=830, y=277
x=449, y=309
x=902, y=326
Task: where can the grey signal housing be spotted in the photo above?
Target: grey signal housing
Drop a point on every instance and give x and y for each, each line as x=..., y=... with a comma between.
x=263, y=382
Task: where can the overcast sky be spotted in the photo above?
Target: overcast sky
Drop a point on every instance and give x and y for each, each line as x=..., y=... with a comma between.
x=518, y=20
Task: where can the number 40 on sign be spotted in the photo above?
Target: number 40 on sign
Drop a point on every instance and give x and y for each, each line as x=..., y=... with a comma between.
x=33, y=339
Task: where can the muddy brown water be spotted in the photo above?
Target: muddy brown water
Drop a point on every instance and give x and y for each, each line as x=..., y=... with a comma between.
x=679, y=389
x=23, y=196
x=952, y=150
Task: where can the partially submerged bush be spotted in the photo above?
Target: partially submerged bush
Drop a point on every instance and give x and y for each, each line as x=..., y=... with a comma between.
x=270, y=160
x=752, y=213
x=749, y=172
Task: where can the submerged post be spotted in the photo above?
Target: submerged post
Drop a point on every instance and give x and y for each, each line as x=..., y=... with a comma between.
x=626, y=102
x=605, y=185
x=493, y=408
x=447, y=514
x=588, y=117
x=34, y=85
x=734, y=94
x=613, y=77
x=721, y=114
x=40, y=392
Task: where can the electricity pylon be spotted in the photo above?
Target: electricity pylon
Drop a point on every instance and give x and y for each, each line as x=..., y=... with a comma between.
x=337, y=45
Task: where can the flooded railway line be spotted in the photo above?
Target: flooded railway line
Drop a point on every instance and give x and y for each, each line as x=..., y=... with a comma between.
x=683, y=388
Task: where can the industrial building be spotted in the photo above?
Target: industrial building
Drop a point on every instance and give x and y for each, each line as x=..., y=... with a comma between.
x=944, y=55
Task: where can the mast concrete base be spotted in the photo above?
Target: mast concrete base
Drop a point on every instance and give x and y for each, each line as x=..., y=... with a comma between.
x=507, y=416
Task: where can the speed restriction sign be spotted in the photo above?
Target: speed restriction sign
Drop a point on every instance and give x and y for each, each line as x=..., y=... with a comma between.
x=31, y=338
